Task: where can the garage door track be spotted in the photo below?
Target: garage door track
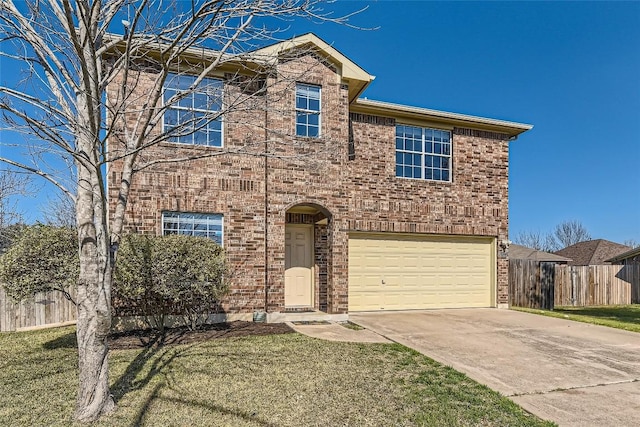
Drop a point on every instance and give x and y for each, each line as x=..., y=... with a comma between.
x=572, y=373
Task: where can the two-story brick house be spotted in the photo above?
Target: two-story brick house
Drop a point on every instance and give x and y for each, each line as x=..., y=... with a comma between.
x=379, y=206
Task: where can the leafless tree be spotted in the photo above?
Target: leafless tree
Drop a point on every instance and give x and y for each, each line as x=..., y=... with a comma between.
x=12, y=185
x=532, y=239
x=631, y=242
x=75, y=72
x=566, y=234
x=60, y=211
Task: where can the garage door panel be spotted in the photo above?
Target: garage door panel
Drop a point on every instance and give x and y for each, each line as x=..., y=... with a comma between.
x=398, y=272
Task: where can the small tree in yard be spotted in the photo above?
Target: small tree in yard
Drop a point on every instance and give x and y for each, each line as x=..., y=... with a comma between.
x=41, y=259
x=77, y=72
x=180, y=275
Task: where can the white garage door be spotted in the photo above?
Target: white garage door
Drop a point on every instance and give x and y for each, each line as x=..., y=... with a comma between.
x=403, y=272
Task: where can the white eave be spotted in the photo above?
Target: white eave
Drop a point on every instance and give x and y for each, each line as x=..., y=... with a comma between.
x=398, y=110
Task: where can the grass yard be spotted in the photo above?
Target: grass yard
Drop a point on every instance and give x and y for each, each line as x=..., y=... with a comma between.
x=271, y=380
x=625, y=317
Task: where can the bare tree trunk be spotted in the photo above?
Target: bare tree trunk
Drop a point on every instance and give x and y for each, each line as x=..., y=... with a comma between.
x=94, y=301
x=94, y=287
x=94, y=311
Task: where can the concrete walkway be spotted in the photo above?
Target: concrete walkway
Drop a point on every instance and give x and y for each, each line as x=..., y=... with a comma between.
x=572, y=373
x=333, y=331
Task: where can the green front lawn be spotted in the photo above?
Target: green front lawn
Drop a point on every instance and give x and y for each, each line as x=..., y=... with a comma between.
x=273, y=380
x=615, y=316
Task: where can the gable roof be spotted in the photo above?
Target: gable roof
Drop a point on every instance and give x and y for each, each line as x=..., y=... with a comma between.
x=523, y=252
x=592, y=252
x=350, y=72
x=626, y=255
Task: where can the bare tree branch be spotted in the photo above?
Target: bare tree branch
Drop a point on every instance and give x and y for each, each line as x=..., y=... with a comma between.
x=89, y=99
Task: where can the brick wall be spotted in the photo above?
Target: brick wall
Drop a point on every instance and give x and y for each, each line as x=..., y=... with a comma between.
x=349, y=171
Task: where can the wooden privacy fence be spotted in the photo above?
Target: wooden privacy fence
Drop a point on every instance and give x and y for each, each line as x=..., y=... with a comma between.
x=544, y=285
x=45, y=309
x=587, y=285
x=531, y=284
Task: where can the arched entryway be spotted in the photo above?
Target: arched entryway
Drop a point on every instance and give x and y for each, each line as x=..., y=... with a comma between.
x=307, y=257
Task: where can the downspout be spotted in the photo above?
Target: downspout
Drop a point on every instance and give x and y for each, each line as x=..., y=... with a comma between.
x=266, y=197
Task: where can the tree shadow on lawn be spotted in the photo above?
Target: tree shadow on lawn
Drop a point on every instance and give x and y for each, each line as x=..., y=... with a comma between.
x=630, y=314
x=155, y=394
x=162, y=357
x=65, y=341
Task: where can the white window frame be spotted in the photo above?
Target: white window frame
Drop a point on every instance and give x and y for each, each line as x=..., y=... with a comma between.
x=190, y=219
x=425, y=156
x=177, y=107
x=308, y=111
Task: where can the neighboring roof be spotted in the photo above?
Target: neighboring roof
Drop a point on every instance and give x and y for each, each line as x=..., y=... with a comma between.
x=592, y=252
x=355, y=75
x=625, y=255
x=523, y=252
x=454, y=119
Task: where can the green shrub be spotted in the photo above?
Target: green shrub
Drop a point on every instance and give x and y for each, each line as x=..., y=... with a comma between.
x=179, y=275
x=41, y=258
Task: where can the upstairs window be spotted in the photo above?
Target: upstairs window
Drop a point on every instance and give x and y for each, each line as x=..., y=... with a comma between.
x=193, y=224
x=193, y=119
x=307, y=110
x=423, y=153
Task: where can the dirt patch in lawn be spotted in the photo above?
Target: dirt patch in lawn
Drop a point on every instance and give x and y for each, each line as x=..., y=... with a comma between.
x=174, y=336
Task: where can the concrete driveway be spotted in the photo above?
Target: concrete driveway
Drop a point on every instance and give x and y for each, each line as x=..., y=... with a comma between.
x=569, y=372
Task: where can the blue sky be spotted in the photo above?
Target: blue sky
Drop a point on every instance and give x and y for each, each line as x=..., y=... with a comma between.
x=572, y=69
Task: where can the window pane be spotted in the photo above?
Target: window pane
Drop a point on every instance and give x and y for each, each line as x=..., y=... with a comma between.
x=200, y=137
x=428, y=173
x=408, y=145
x=186, y=101
x=445, y=175
x=398, y=170
x=314, y=119
x=201, y=101
x=314, y=104
x=416, y=173
x=215, y=138
x=301, y=130
x=436, y=174
x=168, y=93
x=171, y=118
x=313, y=131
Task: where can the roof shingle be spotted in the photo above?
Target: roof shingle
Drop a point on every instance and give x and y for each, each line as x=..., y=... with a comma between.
x=592, y=252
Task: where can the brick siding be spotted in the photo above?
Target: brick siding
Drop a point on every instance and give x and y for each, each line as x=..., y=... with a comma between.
x=349, y=171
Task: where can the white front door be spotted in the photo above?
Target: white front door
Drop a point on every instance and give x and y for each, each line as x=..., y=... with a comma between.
x=298, y=264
